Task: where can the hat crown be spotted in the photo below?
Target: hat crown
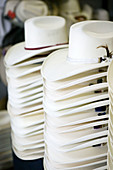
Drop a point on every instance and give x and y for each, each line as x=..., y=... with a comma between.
x=86, y=36
x=45, y=31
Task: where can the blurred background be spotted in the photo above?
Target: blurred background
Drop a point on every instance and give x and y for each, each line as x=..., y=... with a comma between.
x=13, y=14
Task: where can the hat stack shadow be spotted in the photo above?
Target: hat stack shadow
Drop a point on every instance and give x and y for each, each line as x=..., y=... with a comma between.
x=76, y=100
x=23, y=63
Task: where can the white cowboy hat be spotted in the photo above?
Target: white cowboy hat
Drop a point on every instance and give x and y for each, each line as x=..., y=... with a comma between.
x=24, y=100
x=28, y=156
x=48, y=33
x=24, y=115
x=29, y=103
x=83, y=55
x=77, y=156
x=76, y=127
x=39, y=144
x=78, y=117
x=25, y=80
x=76, y=146
x=70, y=166
x=78, y=121
x=76, y=109
x=26, y=109
x=23, y=97
x=28, y=120
x=74, y=92
x=29, y=135
x=64, y=64
x=32, y=85
x=27, y=93
x=110, y=77
x=26, y=87
x=74, y=80
x=30, y=9
x=78, y=141
x=26, y=131
x=24, y=70
x=88, y=165
x=30, y=61
x=75, y=101
x=33, y=139
x=70, y=138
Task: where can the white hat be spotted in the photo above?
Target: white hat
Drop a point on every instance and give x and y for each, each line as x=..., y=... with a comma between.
x=30, y=61
x=25, y=80
x=24, y=70
x=29, y=9
x=74, y=101
x=75, y=118
x=110, y=77
x=76, y=156
x=86, y=165
x=73, y=137
x=28, y=120
x=25, y=110
x=70, y=7
x=48, y=33
x=62, y=95
x=69, y=138
x=83, y=54
x=28, y=156
x=76, y=79
x=29, y=139
x=76, y=109
x=81, y=119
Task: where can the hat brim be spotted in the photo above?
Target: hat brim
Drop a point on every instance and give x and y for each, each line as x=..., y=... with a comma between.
x=30, y=61
x=55, y=96
x=110, y=76
x=78, y=117
x=20, y=111
x=31, y=156
x=76, y=109
x=17, y=53
x=75, y=102
x=57, y=66
x=89, y=164
x=25, y=80
x=70, y=138
x=20, y=72
x=36, y=101
x=79, y=155
x=60, y=85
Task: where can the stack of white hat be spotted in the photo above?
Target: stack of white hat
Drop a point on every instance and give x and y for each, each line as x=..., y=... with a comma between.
x=5, y=144
x=76, y=99
x=110, y=127
x=23, y=63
